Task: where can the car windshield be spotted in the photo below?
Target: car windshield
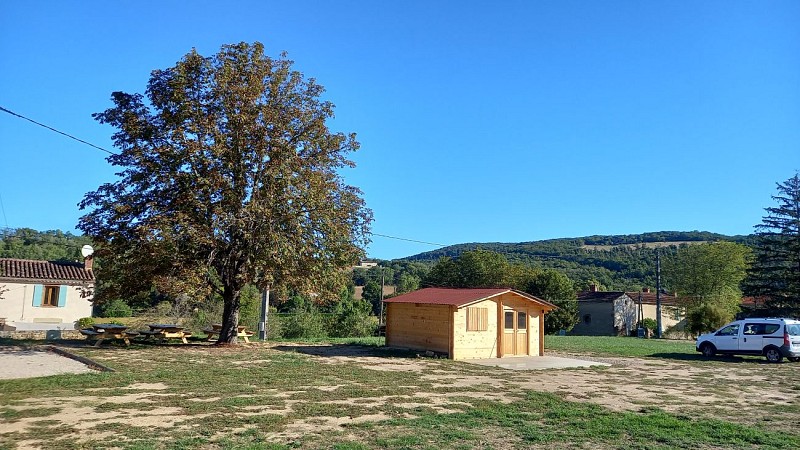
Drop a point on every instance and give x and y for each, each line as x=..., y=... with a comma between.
x=793, y=329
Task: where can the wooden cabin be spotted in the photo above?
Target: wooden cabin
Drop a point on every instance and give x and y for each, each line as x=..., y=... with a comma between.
x=468, y=323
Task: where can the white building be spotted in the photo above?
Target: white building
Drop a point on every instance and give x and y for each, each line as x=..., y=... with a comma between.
x=44, y=295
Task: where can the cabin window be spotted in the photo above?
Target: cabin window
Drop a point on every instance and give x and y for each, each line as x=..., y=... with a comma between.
x=509, y=320
x=522, y=320
x=477, y=319
x=50, y=296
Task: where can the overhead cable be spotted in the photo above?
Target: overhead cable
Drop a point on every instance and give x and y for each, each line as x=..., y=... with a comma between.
x=57, y=131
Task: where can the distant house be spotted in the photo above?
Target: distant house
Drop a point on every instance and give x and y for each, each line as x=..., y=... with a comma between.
x=467, y=323
x=613, y=313
x=44, y=295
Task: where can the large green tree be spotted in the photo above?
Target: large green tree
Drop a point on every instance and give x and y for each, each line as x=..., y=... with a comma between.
x=558, y=289
x=775, y=272
x=476, y=268
x=228, y=177
x=707, y=278
x=482, y=268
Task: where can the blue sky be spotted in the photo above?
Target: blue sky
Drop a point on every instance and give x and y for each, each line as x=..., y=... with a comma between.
x=479, y=121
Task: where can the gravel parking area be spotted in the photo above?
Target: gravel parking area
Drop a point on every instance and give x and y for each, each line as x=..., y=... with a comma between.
x=18, y=362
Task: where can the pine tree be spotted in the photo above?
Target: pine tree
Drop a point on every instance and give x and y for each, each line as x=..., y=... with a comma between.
x=775, y=273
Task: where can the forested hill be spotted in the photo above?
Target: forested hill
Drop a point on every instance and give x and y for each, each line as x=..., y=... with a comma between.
x=53, y=245
x=619, y=262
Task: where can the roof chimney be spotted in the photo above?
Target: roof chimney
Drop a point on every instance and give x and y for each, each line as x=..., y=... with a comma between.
x=88, y=262
x=646, y=290
x=592, y=287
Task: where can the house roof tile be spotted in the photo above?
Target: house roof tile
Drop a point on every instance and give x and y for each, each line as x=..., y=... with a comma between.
x=26, y=269
x=599, y=296
x=649, y=298
x=458, y=297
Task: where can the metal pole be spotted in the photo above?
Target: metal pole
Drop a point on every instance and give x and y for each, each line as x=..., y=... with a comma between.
x=262, y=325
x=380, y=319
x=658, y=293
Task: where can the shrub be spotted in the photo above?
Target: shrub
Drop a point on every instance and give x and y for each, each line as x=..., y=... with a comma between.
x=84, y=322
x=116, y=308
x=352, y=319
x=650, y=324
x=704, y=317
x=307, y=324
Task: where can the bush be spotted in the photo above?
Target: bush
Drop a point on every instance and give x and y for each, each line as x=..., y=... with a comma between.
x=703, y=318
x=116, y=308
x=308, y=324
x=84, y=322
x=650, y=324
x=352, y=319
x=352, y=324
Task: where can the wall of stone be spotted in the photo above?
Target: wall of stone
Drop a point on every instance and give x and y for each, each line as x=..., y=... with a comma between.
x=42, y=334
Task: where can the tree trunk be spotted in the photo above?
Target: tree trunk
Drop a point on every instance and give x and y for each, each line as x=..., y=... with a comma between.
x=230, y=315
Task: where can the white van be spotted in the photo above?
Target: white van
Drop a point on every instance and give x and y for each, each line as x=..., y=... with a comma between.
x=772, y=338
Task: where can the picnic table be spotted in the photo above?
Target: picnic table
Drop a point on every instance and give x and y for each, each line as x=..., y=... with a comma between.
x=166, y=331
x=214, y=330
x=106, y=331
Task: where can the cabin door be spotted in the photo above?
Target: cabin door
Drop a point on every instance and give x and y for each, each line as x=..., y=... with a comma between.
x=515, y=332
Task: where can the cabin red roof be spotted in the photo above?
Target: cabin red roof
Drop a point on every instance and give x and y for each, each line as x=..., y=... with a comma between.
x=457, y=297
x=26, y=269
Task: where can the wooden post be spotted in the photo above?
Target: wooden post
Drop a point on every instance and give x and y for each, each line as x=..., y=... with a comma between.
x=528, y=331
x=452, y=343
x=541, y=333
x=500, y=329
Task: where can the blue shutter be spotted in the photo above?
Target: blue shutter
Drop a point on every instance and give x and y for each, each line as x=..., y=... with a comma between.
x=37, y=295
x=62, y=296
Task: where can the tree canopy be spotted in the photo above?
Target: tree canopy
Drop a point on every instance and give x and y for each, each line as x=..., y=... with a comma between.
x=707, y=277
x=482, y=268
x=775, y=273
x=229, y=175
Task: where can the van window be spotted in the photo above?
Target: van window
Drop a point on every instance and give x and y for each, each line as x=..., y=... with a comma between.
x=770, y=328
x=761, y=328
x=730, y=330
x=793, y=330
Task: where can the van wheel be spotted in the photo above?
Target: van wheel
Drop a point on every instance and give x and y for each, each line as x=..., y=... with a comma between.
x=773, y=355
x=708, y=350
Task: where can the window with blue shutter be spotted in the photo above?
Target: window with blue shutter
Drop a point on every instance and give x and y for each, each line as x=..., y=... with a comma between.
x=37, y=295
x=62, y=296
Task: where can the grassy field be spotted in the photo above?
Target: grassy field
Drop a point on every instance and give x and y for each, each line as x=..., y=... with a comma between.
x=616, y=346
x=349, y=396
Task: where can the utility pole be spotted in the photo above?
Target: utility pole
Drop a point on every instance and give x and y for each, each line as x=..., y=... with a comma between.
x=262, y=324
x=658, y=294
x=380, y=319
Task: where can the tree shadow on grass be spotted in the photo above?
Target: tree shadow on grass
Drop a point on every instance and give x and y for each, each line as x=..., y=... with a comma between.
x=347, y=350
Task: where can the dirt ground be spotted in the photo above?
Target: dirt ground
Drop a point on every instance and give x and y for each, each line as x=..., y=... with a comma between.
x=740, y=391
x=18, y=362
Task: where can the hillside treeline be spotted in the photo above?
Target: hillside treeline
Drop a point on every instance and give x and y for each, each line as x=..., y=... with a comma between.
x=628, y=264
x=52, y=245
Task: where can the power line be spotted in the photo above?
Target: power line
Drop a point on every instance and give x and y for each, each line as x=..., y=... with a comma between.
x=57, y=131
x=411, y=240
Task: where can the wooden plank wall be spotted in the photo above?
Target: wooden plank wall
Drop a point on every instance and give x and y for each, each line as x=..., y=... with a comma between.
x=419, y=327
x=475, y=344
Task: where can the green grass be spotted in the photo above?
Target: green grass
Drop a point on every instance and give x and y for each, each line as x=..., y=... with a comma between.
x=622, y=346
x=253, y=397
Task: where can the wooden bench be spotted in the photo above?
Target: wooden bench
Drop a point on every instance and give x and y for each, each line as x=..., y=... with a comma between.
x=214, y=331
x=166, y=333
x=100, y=336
